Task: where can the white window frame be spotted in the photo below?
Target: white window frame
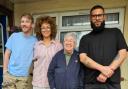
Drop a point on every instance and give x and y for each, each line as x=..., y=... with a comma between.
x=72, y=13
x=35, y=16
x=59, y=16
x=121, y=18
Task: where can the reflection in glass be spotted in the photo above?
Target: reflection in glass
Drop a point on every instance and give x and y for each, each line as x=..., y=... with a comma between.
x=112, y=18
x=75, y=20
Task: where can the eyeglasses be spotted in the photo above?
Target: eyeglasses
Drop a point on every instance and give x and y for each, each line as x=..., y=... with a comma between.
x=97, y=15
x=45, y=29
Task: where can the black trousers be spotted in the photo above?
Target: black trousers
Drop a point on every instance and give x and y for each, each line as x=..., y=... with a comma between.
x=102, y=86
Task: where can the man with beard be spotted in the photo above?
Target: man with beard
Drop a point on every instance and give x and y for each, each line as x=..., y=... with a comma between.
x=102, y=51
x=18, y=55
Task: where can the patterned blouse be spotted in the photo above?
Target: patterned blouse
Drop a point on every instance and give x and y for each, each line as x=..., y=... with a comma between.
x=43, y=55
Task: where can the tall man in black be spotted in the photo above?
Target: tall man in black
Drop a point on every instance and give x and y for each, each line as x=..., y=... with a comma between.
x=102, y=51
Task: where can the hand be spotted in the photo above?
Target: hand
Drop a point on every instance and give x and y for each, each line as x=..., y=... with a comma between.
x=101, y=78
x=107, y=71
x=6, y=79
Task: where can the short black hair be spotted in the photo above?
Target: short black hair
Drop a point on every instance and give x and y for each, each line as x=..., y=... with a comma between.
x=96, y=7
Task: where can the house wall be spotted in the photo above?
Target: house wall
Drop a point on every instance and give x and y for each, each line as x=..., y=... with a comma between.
x=69, y=5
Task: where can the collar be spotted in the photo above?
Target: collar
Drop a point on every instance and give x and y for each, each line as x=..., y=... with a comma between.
x=51, y=42
x=68, y=53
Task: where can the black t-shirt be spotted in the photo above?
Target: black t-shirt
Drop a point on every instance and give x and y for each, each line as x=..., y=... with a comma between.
x=102, y=47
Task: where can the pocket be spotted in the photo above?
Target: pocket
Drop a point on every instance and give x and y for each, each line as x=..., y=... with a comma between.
x=6, y=76
x=7, y=80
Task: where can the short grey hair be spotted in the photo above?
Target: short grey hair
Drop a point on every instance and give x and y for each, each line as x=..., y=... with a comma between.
x=73, y=35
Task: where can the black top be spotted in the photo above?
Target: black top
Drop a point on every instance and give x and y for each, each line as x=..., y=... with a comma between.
x=102, y=47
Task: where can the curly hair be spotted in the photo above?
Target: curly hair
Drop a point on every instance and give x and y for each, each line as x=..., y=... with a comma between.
x=40, y=21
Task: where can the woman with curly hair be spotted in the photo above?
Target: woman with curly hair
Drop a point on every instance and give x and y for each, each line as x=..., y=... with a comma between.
x=44, y=50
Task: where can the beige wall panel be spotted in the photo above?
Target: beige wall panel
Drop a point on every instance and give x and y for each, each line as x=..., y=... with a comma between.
x=62, y=5
x=126, y=22
x=124, y=67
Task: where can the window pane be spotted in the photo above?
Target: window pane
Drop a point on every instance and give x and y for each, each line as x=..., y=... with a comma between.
x=54, y=18
x=112, y=18
x=82, y=20
x=76, y=20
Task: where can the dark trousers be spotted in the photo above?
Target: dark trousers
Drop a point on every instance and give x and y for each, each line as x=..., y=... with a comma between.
x=102, y=86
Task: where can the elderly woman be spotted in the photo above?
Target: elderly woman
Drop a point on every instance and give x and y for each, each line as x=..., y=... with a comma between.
x=64, y=70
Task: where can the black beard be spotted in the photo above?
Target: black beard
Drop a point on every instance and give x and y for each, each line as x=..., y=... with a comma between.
x=98, y=29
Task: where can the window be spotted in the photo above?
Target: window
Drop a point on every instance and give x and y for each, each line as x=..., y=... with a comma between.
x=79, y=21
x=75, y=20
x=112, y=18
